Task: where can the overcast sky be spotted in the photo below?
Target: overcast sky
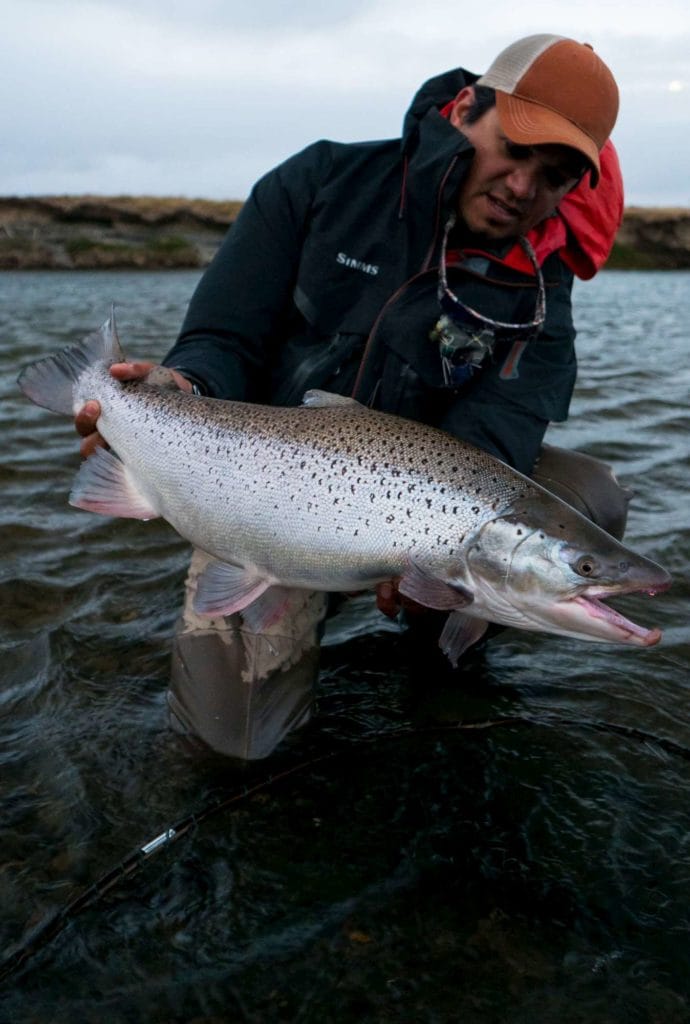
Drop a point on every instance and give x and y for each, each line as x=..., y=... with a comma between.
x=200, y=97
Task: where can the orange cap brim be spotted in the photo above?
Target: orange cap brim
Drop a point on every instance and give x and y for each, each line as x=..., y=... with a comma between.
x=531, y=124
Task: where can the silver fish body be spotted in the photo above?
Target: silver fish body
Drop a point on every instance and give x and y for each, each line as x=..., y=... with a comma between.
x=334, y=496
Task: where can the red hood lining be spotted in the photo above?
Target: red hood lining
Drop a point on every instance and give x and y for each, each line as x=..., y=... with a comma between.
x=583, y=228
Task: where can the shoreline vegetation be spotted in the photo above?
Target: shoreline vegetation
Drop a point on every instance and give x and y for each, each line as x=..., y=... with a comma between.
x=92, y=232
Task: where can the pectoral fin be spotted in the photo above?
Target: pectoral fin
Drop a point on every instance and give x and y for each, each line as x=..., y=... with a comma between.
x=459, y=633
x=425, y=588
x=224, y=589
x=104, y=485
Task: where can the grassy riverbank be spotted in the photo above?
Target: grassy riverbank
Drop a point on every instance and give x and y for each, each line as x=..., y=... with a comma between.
x=154, y=232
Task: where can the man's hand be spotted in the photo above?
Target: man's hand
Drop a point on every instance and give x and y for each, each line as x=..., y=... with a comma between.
x=389, y=600
x=87, y=417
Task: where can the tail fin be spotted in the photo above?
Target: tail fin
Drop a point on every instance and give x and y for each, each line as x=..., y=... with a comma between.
x=50, y=381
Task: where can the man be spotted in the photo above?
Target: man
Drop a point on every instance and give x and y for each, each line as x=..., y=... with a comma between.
x=429, y=276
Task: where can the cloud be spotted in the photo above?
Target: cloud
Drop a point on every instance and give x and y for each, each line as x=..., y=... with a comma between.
x=259, y=16
x=202, y=97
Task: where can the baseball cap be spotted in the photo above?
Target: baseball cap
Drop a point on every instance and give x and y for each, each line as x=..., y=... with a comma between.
x=550, y=89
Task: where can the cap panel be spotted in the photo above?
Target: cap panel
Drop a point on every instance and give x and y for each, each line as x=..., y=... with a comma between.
x=513, y=62
x=572, y=81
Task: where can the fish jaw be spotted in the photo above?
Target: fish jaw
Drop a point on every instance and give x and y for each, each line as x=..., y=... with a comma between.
x=588, y=618
x=587, y=615
x=583, y=615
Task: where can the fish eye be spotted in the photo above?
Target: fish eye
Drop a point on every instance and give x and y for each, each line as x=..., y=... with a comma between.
x=585, y=566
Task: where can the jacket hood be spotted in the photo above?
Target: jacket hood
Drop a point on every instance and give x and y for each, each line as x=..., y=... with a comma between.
x=434, y=94
x=584, y=227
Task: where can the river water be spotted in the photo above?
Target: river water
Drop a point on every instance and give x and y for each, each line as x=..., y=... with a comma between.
x=535, y=867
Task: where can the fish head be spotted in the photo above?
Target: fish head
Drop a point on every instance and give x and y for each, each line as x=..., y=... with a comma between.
x=549, y=569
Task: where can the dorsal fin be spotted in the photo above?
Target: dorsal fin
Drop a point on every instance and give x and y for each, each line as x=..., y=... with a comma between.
x=316, y=399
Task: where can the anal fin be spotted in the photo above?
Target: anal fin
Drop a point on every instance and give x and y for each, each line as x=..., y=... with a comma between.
x=103, y=485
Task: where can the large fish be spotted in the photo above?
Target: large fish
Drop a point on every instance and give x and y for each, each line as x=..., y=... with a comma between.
x=334, y=496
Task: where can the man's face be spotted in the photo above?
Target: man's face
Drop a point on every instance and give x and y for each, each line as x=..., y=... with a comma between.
x=509, y=188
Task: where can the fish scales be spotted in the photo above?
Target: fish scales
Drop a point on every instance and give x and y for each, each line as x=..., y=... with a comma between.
x=284, y=488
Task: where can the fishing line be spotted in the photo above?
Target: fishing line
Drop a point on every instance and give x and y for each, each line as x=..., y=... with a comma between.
x=49, y=930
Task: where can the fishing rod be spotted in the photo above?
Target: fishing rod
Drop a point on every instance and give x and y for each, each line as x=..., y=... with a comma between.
x=49, y=930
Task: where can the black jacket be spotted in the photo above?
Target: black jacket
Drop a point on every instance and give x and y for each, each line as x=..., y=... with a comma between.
x=328, y=279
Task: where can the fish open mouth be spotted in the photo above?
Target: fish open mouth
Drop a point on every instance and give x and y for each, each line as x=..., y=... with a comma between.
x=609, y=624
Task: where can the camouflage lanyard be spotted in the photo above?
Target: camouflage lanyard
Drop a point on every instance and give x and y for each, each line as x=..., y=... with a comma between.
x=466, y=337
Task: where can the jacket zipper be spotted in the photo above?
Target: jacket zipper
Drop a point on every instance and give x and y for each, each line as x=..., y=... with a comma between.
x=372, y=333
x=396, y=294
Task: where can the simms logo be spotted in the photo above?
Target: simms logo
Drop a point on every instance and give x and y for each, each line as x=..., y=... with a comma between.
x=350, y=261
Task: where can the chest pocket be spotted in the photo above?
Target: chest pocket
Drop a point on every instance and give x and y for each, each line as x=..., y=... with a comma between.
x=409, y=319
x=338, y=290
x=410, y=378
x=336, y=299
